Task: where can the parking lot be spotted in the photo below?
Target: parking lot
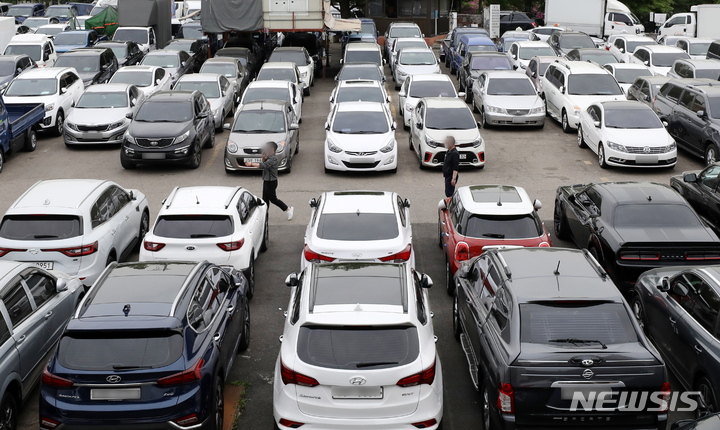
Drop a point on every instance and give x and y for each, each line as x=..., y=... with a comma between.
x=538, y=160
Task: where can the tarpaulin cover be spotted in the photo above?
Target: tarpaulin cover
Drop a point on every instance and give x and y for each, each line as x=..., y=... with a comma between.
x=338, y=24
x=219, y=16
x=106, y=22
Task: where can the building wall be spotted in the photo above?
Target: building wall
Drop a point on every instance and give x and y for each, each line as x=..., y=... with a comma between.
x=421, y=12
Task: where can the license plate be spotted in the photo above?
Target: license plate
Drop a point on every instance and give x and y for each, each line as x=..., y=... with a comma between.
x=115, y=394
x=47, y=265
x=153, y=156
x=518, y=120
x=646, y=159
x=357, y=392
x=358, y=160
x=253, y=160
x=93, y=136
x=463, y=156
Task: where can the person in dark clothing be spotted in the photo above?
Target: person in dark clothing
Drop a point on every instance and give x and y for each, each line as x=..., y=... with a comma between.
x=451, y=166
x=269, y=168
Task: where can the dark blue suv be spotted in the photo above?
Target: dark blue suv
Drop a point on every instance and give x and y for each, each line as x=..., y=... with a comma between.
x=149, y=347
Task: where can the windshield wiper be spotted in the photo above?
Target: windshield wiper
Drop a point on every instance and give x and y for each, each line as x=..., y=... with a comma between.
x=45, y=236
x=121, y=367
x=375, y=363
x=254, y=131
x=199, y=235
x=365, y=132
x=494, y=235
x=578, y=341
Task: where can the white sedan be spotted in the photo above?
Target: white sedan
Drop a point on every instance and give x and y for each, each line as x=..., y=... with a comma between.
x=360, y=136
x=626, y=133
x=414, y=61
x=358, y=226
x=148, y=79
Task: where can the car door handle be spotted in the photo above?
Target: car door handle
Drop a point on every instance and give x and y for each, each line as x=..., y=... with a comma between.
x=113, y=232
x=48, y=315
x=21, y=339
x=127, y=217
x=217, y=337
x=672, y=320
x=231, y=309
x=698, y=350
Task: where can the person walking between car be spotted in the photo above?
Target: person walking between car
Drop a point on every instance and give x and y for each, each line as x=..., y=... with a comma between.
x=269, y=168
x=451, y=166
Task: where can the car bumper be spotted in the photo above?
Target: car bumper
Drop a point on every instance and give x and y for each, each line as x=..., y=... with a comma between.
x=515, y=120
x=113, y=137
x=49, y=120
x=617, y=158
x=182, y=153
x=346, y=163
x=236, y=161
x=434, y=157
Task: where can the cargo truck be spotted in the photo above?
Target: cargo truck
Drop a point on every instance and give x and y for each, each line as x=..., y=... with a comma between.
x=702, y=21
x=599, y=18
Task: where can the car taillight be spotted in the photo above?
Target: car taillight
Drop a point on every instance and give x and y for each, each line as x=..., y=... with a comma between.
x=314, y=257
x=153, y=246
x=77, y=251
x=4, y=251
x=190, y=375
x=544, y=245
x=55, y=381
x=637, y=256
x=425, y=424
x=291, y=424
x=427, y=376
x=697, y=256
x=231, y=246
x=48, y=424
x=665, y=398
x=401, y=256
x=292, y=377
x=462, y=251
x=187, y=421
x=506, y=398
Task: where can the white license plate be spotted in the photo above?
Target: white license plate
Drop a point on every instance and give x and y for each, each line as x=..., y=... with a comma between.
x=153, y=156
x=93, y=136
x=253, y=160
x=646, y=159
x=357, y=392
x=463, y=156
x=518, y=120
x=115, y=394
x=47, y=265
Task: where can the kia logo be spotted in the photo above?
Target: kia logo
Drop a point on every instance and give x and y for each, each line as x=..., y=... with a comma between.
x=113, y=379
x=153, y=143
x=190, y=248
x=588, y=374
x=358, y=380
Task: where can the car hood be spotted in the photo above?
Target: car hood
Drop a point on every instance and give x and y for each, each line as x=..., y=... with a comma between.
x=584, y=101
x=87, y=76
x=515, y=102
x=639, y=137
x=96, y=116
x=461, y=136
x=419, y=70
x=66, y=48
x=50, y=98
x=158, y=129
x=252, y=140
x=360, y=142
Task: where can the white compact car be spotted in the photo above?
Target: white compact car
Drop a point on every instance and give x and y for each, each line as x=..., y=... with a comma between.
x=659, y=59
x=417, y=87
x=626, y=73
x=217, y=89
x=75, y=226
x=359, y=91
x=143, y=36
x=414, y=61
x=58, y=88
x=148, y=79
x=624, y=46
x=360, y=136
x=520, y=53
x=402, y=43
x=358, y=350
x=358, y=226
x=274, y=90
x=507, y=98
x=223, y=225
x=434, y=119
x=626, y=133
x=280, y=71
x=303, y=61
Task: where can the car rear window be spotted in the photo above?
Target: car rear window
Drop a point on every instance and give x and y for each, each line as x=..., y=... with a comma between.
x=357, y=226
x=503, y=226
x=362, y=73
x=575, y=324
x=363, y=57
x=645, y=216
x=193, y=226
x=358, y=348
x=420, y=89
x=40, y=227
x=118, y=351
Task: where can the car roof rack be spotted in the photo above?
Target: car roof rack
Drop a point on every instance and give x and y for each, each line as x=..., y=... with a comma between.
x=232, y=196
x=168, y=201
x=598, y=268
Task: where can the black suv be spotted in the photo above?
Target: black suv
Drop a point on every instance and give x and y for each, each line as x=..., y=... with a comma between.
x=539, y=325
x=93, y=65
x=565, y=41
x=150, y=346
x=474, y=64
x=169, y=127
x=510, y=21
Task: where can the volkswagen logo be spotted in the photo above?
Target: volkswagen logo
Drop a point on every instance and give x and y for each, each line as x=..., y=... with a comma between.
x=357, y=254
x=190, y=248
x=113, y=379
x=588, y=374
x=153, y=143
x=358, y=380
x=646, y=149
x=587, y=362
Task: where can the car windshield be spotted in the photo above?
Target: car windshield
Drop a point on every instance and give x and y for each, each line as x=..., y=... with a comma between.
x=40, y=227
x=229, y=70
x=405, y=32
x=59, y=11
x=139, y=36
x=510, y=87
x=20, y=10
x=482, y=48
x=192, y=32
x=367, y=28
x=360, y=94
x=70, y=39
x=417, y=58
x=119, y=50
x=449, y=119
x=529, y=52
x=193, y=226
x=420, y=89
x=35, y=22
x=666, y=59
x=655, y=215
x=419, y=43
x=502, y=226
x=81, y=63
x=360, y=73
x=352, y=348
x=576, y=41
x=164, y=112
x=576, y=324
x=258, y=121
x=297, y=57
x=33, y=51
x=140, y=79
x=628, y=76
x=696, y=48
x=180, y=45
x=490, y=62
x=363, y=57
x=32, y=87
x=252, y=94
x=103, y=351
x=632, y=46
x=93, y=100
x=50, y=31
x=357, y=226
x=211, y=90
x=268, y=74
x=161, y=60
x=600, y=57
x=593, y=84
x=7, y=66
x=714, y=107
x=707, y=73
x=631, y=118
x=360, y=123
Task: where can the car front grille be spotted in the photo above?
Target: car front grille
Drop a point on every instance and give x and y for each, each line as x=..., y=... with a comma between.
x=361, y=165
x=99, y=127
x=518, y=111
x=154, y=143
x=361, y=154
x=646, y=150
x=252, y=150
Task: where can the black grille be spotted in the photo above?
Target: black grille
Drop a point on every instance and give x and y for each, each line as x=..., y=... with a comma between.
x=470, y=157
x=154, y=143
x=252, y=150
x=102, y=127
x=360, y=165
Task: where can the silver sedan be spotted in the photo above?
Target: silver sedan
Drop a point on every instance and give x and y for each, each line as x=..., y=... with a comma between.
x=218, y=90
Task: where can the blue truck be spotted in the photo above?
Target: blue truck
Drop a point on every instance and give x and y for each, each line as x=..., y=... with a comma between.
x=18, y=126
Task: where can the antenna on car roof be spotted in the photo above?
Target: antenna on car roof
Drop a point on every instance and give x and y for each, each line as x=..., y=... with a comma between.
x=499, y=203
x=556, y=272
x=197, y=200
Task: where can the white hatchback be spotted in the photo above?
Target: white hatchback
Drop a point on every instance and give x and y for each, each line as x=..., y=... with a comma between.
x=148, y=79
x=414, y=61
x=358, y=350
x=417, y=87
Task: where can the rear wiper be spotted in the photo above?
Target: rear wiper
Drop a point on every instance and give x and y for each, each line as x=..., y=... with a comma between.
x=577, y=341
x=375, y=363
x=45, y=236
x=494, y=235
x=121, y=367
x=200, y=235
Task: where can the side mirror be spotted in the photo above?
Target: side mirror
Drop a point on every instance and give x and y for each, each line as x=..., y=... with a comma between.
x=313, y=203
x=133, y=102
x=622, y=50
x=534, y=74
x=394, y=126
x=700, y=114
x=647, y=63
x=690, y=178
x=342, y=61
x=419, y=126
x=596, y=124
x=19, y=70
x=537, y=205
x=665, y=123
x=406, y=203
x=463, y=270
x=291, y=280
x=129, y=115
x=60, y=285
x=63, y=90
x=224, y=93
x=259, y=201
x=461, y=94
x=184, y=63
x=385, y=62
x=157, y=82
x=294, y=127
x=664, y=284
x=72, y=104
x=226, y=126
x=562, y=89
x=133, y=196
x=327, y=126
x=514, y=57
x=426, y=281
x=402, y=93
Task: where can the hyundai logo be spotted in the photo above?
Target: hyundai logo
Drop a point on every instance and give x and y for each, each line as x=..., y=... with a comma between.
x=357, y=380
x=190, y=248
x=357, y=254
x=113, y=379
x=587, y=362
x=588, y=374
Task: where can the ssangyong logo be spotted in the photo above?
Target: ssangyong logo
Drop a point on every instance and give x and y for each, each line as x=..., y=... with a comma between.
x=357, y=380
x=587, y=374
x=113, y=379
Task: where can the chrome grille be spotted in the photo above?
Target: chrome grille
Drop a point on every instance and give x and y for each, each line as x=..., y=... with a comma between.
x=646, y=150
x=252, y=150
x=154, y=143
x=361, y=154
x=518, y=111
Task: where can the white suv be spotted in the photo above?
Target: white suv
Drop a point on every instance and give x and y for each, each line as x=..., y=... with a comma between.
x=623, y=46
x=358, y=350
x=223, y=225
x=570, y=86
x=75, y=226
x=417, y=87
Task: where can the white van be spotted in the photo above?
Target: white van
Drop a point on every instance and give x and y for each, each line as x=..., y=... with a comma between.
x=39, y=47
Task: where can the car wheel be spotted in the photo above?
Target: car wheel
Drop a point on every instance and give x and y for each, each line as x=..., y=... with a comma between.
x=457, y=330
x=708, y=403
x=2, y=159
x=144, y=227
x=266, y=237
x=124, y=162
x=196, y=157
x=306, y=91
x=580, y=138
x=245, y=333
x=560, y=222
x=222, y=118
x=638, y=312
x=8, y=412
x=59, y=123
x=452, y=69
x=219, y=406
x=601, y=156
x=440, y=235
x=483, y=120
x=485, y=408
x=250, y=276
x=397, y=86
x=211, y=139
x=468, y=96
x=30, y=140
x=297, y=143
x=449, y=279
x=565, y=122
x=710, y=155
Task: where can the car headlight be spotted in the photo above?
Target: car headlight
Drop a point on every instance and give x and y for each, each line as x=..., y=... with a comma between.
x=409, y=107
x=671, y=147
x=540, y=109
x=577, y=110
x=617, y=147
x=494, y=109
x=129, y=138
x=232, y=147
x=182, y=137
x=280, y=147
x=389, y=147
x=87, y=83
x=71, y=126
x=49, y=106
x=477, y=142
x=432, y=143
x=111, y=126
x=331, y=146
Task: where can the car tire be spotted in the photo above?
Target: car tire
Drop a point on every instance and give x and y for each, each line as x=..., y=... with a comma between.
x=638, y=310
x=483, y=120
x=297, y=143
x=111, y=258
x=211, y=139
x=245, y=331
x=565, y=122
x=266, y=236
x=449, y=278
x=144, y=228
x=8, y=412
x=601, y=156
x=711, y=155
x=468, y=96
x=486, y=406
x=327, y=171
x=306, y=92
x=59, y=123
x=222, y=118
x=393, y=171
x=250, y=275
x=30, y=140
x=457, y=328
x=560, y=224
x=580, y=137
x=708, y=403
x=124, y=162
x=397, y=87
x=196, y=158
x=2, y=159
x=218, y=410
